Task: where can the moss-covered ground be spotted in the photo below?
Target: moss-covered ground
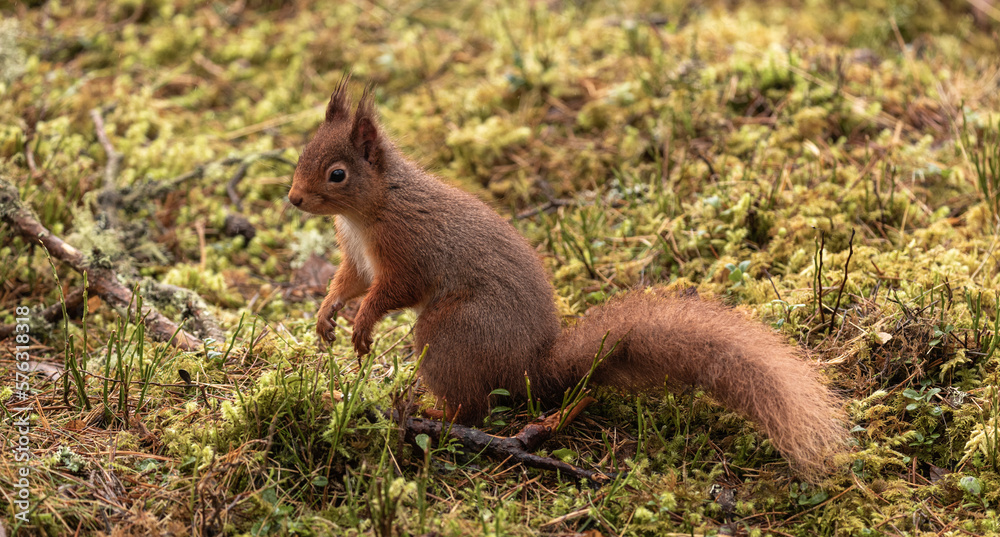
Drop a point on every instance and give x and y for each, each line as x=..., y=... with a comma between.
x=830, y=168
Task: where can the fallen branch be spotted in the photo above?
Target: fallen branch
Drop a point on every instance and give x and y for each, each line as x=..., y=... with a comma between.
x=547, y=206
x=114, y=157
x=157, y=189
x=515, y=448
x=241, y=172
x=53, y=313
x=534, y=434
x=29, y=155
x=103, y=281
x=108, y=195
x=192, y=304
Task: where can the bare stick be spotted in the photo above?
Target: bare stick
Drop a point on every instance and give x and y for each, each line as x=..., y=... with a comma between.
x=496, y=447
x=203, y=322
x=547, y=206
x=53, y=313
x=241, y=172
x=534, y=434
x=29, y=157
x=819, y=278
x=114, y=157
x=158, y=189
x=102, y=280
x=836, y=306
x=775, y=287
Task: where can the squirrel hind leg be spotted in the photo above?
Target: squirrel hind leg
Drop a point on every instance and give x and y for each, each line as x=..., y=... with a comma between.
x=465, y=399
x=453, y=370
x=469, y=355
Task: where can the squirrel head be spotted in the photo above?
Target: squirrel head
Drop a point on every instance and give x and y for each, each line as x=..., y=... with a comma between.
x=342, y=169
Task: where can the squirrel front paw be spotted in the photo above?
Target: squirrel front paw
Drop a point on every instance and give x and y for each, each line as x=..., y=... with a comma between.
x=326, y=320
x=362, y=340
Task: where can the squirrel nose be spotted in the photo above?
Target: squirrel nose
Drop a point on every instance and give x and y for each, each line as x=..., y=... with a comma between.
x=295, y=198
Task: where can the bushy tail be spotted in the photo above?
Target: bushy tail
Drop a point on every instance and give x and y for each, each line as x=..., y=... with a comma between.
x=744, y=365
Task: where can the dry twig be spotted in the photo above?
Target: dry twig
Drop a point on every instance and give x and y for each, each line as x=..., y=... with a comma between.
x=53, y=313
x=157, y=189
x=241, y=172
x=515, y=448
x=114, y=157
x=547, y=206
x=103, y=281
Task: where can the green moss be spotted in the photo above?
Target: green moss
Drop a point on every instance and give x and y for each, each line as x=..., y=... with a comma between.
x=206, y=283
x=679, y=142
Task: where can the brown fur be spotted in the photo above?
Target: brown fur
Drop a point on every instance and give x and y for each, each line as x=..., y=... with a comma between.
x=486, y=308
x=687, y=341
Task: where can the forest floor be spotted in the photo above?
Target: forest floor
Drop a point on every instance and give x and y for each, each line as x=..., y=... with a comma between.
x=829, y=168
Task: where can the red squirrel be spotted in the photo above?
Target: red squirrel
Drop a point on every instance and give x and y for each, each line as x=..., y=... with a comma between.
x=486, y=307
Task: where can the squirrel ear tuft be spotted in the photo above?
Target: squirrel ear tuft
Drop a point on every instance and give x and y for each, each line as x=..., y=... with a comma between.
x=340, y=106
x=365, y=133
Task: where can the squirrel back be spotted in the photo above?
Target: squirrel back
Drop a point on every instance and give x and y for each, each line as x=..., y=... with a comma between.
x=485, y=304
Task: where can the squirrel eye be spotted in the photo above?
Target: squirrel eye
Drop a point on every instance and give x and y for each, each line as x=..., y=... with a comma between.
x=337, y=175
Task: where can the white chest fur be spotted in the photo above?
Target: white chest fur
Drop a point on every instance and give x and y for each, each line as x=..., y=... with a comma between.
x=354, y=245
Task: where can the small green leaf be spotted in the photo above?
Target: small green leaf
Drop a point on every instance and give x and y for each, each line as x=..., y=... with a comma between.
x=815, y=499
x=564, y=454
x=320, y=481
x=971, y=485
x=500, y=391
x=422, y=440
